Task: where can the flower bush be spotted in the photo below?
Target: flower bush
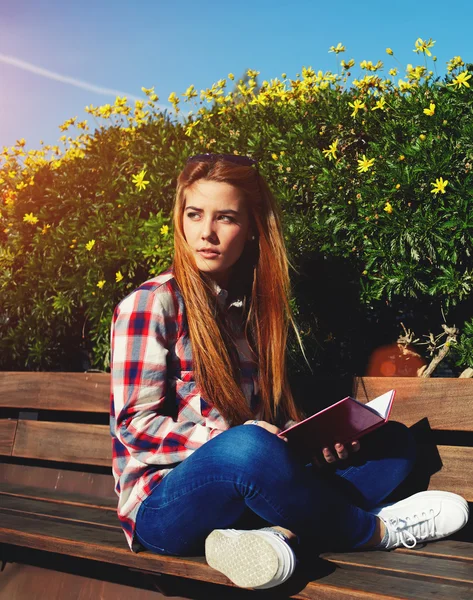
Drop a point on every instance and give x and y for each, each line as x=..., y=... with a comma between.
x=373, y=173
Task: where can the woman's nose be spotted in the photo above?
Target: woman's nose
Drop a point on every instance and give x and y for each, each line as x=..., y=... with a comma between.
x=208, y=230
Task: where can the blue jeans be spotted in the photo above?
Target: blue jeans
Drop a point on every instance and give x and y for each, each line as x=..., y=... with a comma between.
x=247, y=478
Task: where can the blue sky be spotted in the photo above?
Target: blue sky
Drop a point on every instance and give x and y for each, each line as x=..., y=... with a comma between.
x=123, y=45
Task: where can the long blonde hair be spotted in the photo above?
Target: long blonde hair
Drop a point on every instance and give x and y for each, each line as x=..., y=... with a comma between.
x=264, y=273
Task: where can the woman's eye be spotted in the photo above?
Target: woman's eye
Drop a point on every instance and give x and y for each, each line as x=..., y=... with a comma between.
x=193, y=215
x=226, y=219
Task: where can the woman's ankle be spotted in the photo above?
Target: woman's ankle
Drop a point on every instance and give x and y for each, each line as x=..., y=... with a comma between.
x=286, y=532
x=377, y=537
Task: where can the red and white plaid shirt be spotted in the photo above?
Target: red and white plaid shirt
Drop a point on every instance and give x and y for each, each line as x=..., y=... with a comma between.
x=158, y=418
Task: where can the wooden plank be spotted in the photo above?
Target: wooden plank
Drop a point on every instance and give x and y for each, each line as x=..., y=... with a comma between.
x=80, y=392
x=348, y=584
x=59, y=481
x=66, y=442
x=7, y=436
x=400, y=563
x=30, y=582
x=59, y=511
x=342, y=583
x=452, y=549
x=52, y=495
x=446, y=402
x=455, y=474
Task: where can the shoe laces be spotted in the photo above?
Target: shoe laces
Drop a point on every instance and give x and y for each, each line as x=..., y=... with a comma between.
x=410, y=530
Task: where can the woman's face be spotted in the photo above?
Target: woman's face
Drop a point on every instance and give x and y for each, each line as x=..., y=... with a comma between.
x=216, y=227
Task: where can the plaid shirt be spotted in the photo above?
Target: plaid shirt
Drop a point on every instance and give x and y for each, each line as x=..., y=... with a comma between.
x=158, y=418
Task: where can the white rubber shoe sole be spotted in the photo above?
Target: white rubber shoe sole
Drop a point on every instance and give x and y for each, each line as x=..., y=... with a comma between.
x=250, y=559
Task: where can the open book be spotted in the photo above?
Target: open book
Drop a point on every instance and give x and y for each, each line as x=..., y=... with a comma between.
x=342, y=422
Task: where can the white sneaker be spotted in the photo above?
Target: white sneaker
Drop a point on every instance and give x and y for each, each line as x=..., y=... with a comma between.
x=252, y=558
x=423, y=517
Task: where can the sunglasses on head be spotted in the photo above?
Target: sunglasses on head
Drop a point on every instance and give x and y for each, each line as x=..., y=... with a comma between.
x=236, y=159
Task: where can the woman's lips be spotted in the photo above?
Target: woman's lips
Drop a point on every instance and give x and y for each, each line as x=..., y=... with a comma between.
x=209, y=253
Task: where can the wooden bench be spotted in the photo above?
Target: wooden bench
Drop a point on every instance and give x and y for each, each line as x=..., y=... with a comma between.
x=60, y=537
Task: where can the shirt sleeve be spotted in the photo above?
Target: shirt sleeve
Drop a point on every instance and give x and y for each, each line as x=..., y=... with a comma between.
x=143, y=325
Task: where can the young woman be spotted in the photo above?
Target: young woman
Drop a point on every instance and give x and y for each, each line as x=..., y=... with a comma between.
x=199, y=394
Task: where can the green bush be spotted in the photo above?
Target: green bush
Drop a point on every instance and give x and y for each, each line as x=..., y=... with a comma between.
x=374, y=179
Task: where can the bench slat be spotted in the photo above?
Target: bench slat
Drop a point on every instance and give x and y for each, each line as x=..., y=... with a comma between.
x=455, y=475
x=52, y=495
x=105, y=544
x=91, y=444
x=66, y=442
x=7, y=436
x=81, y=392
x=58, y=480
x=401, y=563
x=451, y=549
x=447, y=402
x=59, y=512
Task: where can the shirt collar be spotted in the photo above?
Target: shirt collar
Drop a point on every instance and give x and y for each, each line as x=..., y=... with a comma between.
x=222, y=296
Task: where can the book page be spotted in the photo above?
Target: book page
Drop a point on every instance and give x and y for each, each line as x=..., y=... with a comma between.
x=381, y=404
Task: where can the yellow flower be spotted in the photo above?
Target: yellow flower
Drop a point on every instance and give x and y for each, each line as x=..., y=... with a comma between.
x=173, y=99
x=90, y=245
x=30, y=218
x=388, y=208
x=365, y=164
x=398, y=185
x=349, y=64
x=274, y=156
x=190, y=93
x=21, y=185
x=164, y=231
x=380, y=104
x=454, y=63
x=402, y=157
x=422, y=137
x=369, y=66
x=461, y=79
x=357, y=105
x=190, y=128
x=331, y=151
x=389, y=51
x=139, y=180
x=393, y=72
x=431, y=110
x=423, y=46
x=231, y=76
x=439, y=186
x=118, y=276
x=45, y=229
x=101, y=283
x=337, y=49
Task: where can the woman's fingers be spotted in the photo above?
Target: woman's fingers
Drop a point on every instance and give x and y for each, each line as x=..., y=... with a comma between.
x=341, y=451
x=355, y=446
x=328, y=455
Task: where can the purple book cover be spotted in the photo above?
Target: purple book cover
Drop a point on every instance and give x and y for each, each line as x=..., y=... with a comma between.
x=342, y=422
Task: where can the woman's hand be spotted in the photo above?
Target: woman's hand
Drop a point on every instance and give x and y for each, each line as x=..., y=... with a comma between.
x=338, y=452
x=267, y=426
